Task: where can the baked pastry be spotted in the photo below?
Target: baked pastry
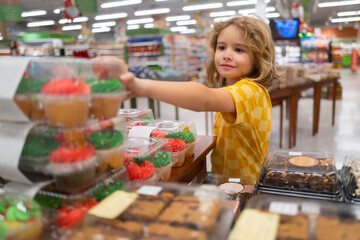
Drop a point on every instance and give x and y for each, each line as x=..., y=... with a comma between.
x=109, y=147
x=105, y=97
x=66, y=102
x=162, y=162
x=293, y=227
x=333, y=228
x=175, y=232
x=189, y=139
x=178, y=151
x=140, y=169
x=73, y=167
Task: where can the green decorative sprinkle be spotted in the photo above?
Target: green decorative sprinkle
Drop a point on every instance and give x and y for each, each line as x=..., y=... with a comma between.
x=160, y=158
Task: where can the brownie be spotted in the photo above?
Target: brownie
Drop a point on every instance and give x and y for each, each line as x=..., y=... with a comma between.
x=194, y=214
x=293, y=228
x=147, y=210
x=171, y=232
x=334, y=228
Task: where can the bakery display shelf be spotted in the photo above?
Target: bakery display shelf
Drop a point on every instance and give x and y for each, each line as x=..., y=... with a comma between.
x=161, y=211
x=297, y=218
x=301, y=173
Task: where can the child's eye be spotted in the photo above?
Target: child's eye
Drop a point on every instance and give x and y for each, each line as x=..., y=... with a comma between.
x=221, y=47
x=239, y=50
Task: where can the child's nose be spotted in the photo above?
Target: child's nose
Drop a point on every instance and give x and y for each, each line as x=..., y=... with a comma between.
x=227, y=54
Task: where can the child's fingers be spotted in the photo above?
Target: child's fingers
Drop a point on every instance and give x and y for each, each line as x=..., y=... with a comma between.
x=108, y=67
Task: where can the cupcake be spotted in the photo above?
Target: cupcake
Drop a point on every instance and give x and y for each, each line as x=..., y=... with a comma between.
x=66, y=102
x=105, y=189
x=178, y=151
x=109, y=149
x=73, y=167
x=162, y=164
x=140, y=169
x=189, y=139
x=73, y=215
x=27, y=95
x=105, y=97
x=20, y=218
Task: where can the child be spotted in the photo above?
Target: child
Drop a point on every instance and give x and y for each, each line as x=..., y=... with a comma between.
x=242, y=62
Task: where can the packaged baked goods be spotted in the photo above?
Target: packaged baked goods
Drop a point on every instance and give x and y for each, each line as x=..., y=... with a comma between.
x=296, y=218
x=301, y=173
x=350, y=174
x=148, y=159
x=106, y=97
x=21, y=218
x=160, y=211
x=130, y=114
x=182, y=136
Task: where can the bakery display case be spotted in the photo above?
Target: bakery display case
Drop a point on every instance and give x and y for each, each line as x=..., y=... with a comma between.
x=159, y=211
x=296, y=218
x=182, y=136
x=301, y=173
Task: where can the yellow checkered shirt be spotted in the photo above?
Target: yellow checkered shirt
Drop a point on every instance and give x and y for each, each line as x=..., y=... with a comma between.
x=242, y=143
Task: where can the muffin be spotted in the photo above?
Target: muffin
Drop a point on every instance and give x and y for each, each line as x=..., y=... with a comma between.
x=109, y=149
x=105, y=97
x=20, y=218
x=178, y=151
x=140, y=169
x=162, y=164
x=189, y=139
x=73, y=167
x=66, y=102
x=27, y=98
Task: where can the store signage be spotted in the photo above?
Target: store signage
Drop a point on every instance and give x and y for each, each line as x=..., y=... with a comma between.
x=10, y=11
x=87, y=6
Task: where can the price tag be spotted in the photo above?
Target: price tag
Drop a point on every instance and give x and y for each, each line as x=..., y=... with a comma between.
x=284, y=208
x=113, y=205
x=295, y=153
x=149, y=190
x=141, y=132
x=310, y=208
x=237, y=180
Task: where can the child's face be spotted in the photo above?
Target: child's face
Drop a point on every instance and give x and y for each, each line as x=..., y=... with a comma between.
x=233, y=59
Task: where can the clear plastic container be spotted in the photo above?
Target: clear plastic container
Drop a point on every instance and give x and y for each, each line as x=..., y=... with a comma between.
x=283, y=217
x=350, y=173
x=162, y=211
x=182, y=135
x=21, y=217
x=301, y=173
x=148, y=159
x=131, y=114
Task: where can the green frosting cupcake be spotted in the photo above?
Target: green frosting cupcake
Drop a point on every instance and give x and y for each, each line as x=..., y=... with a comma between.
x=105, y=190
x=106, y=139
x=38, y=147
x=30, y=85
x=101, y=86
x=3, y=229
x=187, y=137
x=50, y=202
x=18, y=209
x=160, y=158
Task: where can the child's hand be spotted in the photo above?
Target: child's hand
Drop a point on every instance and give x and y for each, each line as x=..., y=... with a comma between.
x=106, y=67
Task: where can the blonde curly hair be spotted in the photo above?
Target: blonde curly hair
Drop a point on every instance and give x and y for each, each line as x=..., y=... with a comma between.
x=257, y=37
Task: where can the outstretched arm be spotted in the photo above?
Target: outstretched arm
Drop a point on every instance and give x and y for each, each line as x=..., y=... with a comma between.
x=189, y=95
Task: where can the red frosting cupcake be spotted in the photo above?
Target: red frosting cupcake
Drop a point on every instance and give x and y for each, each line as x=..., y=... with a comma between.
x=141, y=170
x=178, y=151
x=73, y=166
x=66, y=102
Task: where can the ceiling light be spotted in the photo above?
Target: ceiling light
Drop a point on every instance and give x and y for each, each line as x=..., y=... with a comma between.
x=177, y=18
x=202, y=6
x=78, y=19
x=240, y=3
x=348, y=13
x=152, y=11
x=71, y=27
x=338, y=3
x=187, y=22
x=273, y=15
x=187, y=31
x=222, y=14
x=57, y=11
x=111, y=16
x=41, y=23
x=131, y=27
x=247, y=11
x=140, y=21
x=149, y=25
x=270, y=9
x=120, y=3
x=104, y=24
x=64, y=21
x=178, y=29
x=221, y=19
x=348, y=19
x=100, y=30
x=33, y=13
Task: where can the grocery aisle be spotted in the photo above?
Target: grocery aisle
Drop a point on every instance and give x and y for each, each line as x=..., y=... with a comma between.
x=341, y=139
